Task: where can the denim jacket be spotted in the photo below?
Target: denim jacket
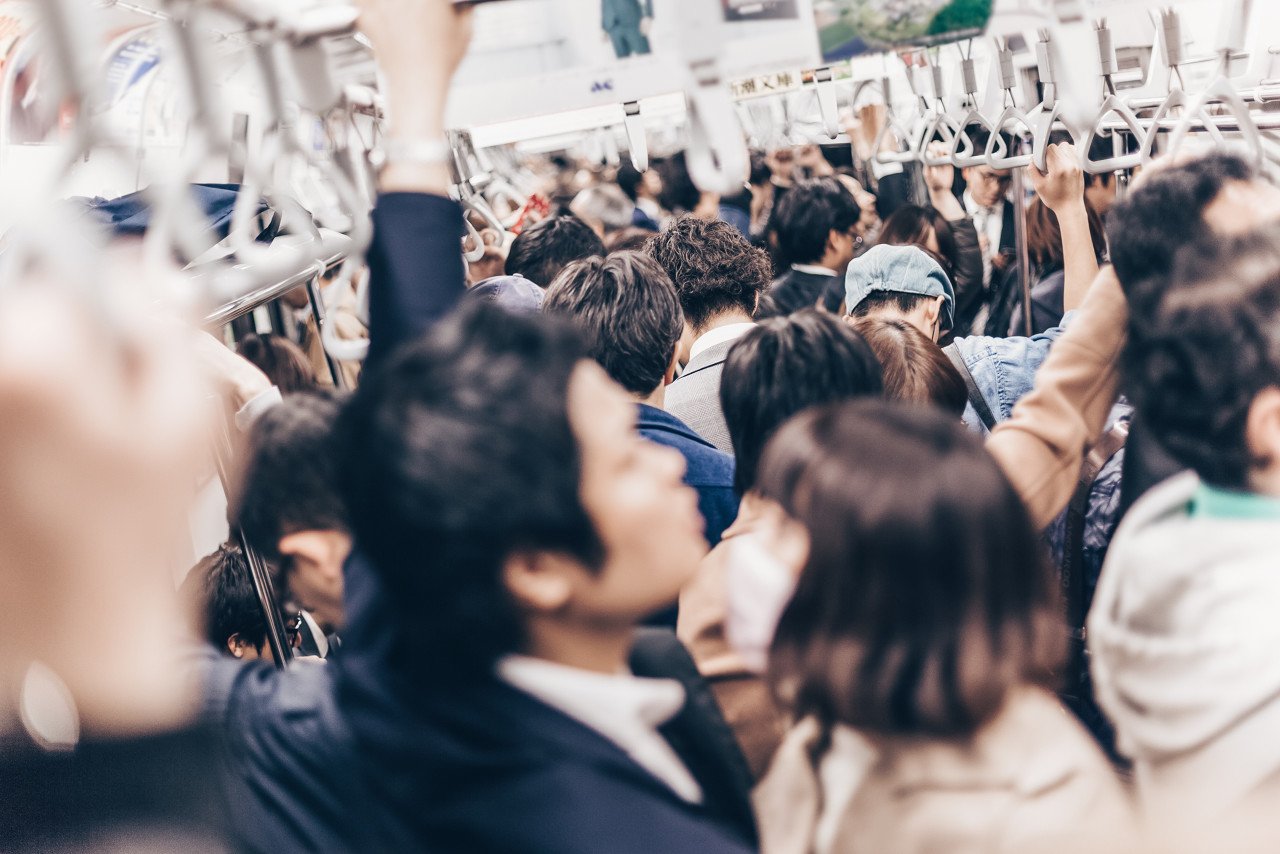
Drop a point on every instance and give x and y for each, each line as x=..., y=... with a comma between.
x=1004, y=369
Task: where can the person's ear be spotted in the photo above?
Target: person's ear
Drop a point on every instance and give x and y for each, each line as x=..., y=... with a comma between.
x=1262, y=428
x=236, y=646
x=540, y=581
x=669, y=376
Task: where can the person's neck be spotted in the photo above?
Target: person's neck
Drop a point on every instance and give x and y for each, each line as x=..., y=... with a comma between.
x=834, y=262
x=600, y=649
x=728, y=318
x=655, y=398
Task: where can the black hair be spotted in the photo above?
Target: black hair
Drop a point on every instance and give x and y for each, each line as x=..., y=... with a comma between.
x=629, y=179
x=903, y=302
x=713, y=267
x=785, y=365
x=628, y=312
x=760, y=172
x=807, y=214
x=280, y=359
x=626, y=239
x=222, y=588
x=455, y=455
x=910, y=225
x=290, y=479
x=1165, y=212
x=926, y=596
x=1211, y=345
x=679, y=193
x=545, y=248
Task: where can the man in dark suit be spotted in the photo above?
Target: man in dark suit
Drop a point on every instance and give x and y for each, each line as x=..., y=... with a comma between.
x=815, y=224
x=627, y=24
x=511, y=530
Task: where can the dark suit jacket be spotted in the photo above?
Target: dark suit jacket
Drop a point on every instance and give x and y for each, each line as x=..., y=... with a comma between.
x=795, y=290
x=482, y=767
x=707, y=470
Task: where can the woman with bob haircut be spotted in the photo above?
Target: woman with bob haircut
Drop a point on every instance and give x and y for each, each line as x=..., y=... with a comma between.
x=917, y=654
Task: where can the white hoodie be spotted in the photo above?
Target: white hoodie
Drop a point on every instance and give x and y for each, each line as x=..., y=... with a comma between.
x=1184, y=635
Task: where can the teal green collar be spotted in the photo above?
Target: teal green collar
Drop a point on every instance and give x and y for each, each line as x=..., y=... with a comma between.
x=1212, y=503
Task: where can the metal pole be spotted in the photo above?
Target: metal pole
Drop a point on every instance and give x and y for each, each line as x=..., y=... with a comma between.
x=262, y=584
x=1024, y=257
x=317, y=311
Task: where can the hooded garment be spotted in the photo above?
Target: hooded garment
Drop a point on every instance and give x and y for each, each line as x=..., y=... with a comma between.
x=1184, y=636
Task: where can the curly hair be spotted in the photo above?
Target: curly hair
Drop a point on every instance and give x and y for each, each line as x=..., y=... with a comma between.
x=714, y=268
x=1211, y=345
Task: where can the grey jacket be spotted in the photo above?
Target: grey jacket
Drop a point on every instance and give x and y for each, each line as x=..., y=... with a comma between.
x=695, y=397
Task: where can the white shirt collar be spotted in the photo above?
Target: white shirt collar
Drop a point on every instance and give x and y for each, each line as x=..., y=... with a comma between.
x=719, y=335
x=814, y=269
x=623, y=708
x=972, y=207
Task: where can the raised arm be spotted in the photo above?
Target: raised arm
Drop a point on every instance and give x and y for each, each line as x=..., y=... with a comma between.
x=1042, y=446
x=1062, y=191
x=415, y=262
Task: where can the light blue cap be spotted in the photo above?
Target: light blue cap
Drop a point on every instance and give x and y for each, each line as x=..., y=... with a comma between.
x=900, y=269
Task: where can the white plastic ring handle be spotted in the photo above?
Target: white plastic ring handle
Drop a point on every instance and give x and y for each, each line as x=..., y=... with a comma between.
x=1112, y=105
x=997, y=153
x=1220, y=91
x=964, y=152
x=637, y=142
x=1176, y=100
x=941, y=124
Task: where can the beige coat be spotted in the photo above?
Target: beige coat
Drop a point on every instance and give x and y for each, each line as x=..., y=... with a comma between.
x=1031, y=780
x=743, y=696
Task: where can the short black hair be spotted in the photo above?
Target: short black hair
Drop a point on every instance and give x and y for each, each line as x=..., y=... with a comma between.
x=785, y=365
x=714, y=268
x=455, y=455
x=926, y=595
x=807, y=214
x=628, y=312
x=545, y=248
x=221, y=587
x=1209, y=348
x=1148, y=226
x=290, y=479
x=902, y=301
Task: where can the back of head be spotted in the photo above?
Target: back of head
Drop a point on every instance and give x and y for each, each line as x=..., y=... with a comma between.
x=605, y=204
x=628, y=312
x=222, y=590
x=913, y=225
x=1210, y=346
x=915, y=369
x=713, y=267
x=456, y=454
x=545, y=248
x=807, y=214
x=1044, y=236
x=630, y=239
x=925, y=596
x=280, y=359
x=1165, y=212
x=783, y=366
x=290, y=479
x=629, y=179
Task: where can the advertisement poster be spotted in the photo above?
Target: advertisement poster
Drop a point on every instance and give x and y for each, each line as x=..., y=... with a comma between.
x=539, y=57
x=849, y=28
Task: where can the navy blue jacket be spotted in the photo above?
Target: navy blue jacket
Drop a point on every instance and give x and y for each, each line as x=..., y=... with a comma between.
x=708, y=470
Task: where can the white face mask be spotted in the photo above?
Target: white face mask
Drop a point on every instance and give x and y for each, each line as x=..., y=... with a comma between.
x=759, y=586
